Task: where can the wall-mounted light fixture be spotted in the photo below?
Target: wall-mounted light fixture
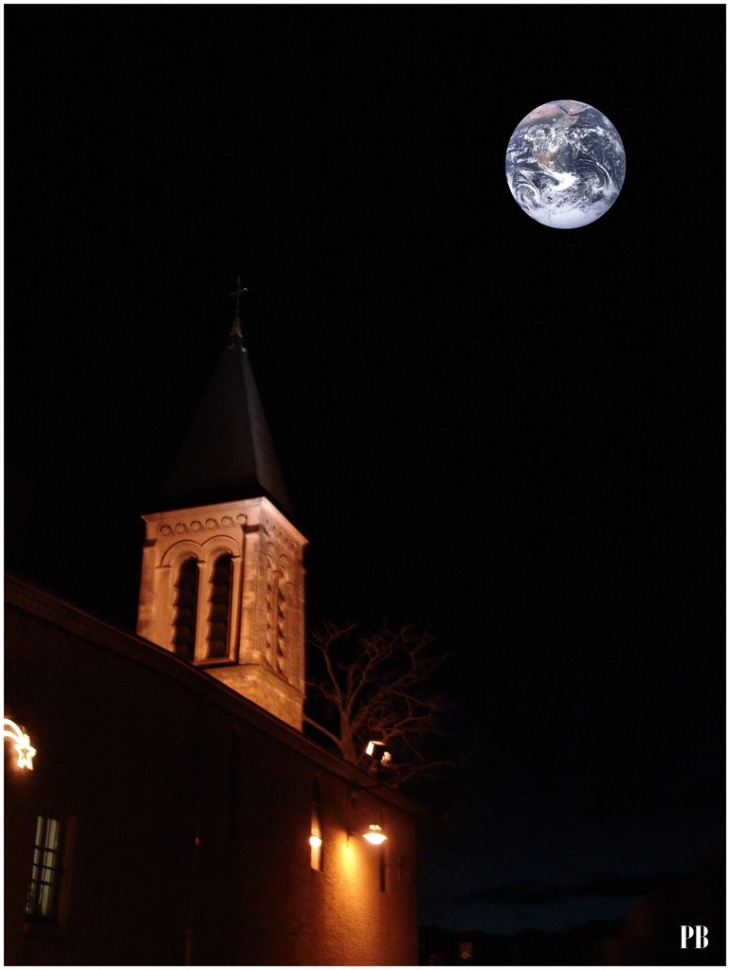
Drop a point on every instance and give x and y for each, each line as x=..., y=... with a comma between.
x=21, y=743
x=374, y=834
x=315, y=828
x=315, y=849
x=379, y=752
x=371, y=828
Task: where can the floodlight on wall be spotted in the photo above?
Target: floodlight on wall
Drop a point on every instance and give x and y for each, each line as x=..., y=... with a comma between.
x=21, y=743
x=378, y=751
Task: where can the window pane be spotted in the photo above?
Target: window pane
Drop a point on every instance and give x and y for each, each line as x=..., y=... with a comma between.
x=45, y=871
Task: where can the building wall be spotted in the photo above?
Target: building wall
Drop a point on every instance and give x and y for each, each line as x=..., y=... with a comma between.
x=190, y=813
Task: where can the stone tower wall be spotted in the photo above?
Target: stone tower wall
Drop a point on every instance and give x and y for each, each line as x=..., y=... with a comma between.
x=265, y=660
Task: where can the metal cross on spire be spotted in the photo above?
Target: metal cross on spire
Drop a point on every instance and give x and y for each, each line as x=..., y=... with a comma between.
x=238, y=293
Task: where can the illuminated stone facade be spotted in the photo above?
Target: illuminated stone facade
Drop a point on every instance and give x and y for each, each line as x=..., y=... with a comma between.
x=264, y=651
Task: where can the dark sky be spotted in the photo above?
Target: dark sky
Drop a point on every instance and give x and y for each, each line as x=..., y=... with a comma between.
x=508, y=434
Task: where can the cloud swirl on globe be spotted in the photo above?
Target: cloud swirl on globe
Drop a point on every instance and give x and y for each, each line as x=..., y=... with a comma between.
x=565, y=164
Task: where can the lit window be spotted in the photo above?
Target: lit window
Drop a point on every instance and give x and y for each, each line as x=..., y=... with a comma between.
x=45, y=880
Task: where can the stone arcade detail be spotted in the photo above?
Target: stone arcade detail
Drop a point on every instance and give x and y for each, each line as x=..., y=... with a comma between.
x=263, y=654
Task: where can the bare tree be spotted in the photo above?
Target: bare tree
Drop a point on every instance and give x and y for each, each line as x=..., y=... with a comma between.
x=380, y=687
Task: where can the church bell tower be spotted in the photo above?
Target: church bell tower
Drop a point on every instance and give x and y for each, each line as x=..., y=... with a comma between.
x=222, y=566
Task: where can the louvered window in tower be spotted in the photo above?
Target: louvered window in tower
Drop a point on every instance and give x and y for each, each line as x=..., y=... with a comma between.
x=219, y=610
x=186, y=609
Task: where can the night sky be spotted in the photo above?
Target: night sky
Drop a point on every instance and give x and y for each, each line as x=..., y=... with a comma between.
x=507, y=434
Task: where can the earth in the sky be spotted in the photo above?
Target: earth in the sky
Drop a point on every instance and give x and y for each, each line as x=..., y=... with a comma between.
x=565, y=164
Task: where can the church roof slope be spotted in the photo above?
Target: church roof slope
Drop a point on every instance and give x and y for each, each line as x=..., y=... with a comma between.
x=228, y=452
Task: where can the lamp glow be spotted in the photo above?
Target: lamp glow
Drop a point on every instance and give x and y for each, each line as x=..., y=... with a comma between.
x=375, y=835
x=315, y=841
x=378, y=752
x=22, y=745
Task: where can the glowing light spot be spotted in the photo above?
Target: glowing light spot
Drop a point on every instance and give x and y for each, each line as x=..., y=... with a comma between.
x=375, y=835
x=21, y=743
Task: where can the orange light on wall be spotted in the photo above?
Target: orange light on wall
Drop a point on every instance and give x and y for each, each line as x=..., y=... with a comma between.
x=315, y=841
x=21, y=743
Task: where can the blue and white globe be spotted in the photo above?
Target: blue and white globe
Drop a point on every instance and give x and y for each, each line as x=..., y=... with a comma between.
x=565, y=164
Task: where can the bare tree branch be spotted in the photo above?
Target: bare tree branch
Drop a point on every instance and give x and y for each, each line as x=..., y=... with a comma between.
x=380, y=687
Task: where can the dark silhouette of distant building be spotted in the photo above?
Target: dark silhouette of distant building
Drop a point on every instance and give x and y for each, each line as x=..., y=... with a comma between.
x=650, y=934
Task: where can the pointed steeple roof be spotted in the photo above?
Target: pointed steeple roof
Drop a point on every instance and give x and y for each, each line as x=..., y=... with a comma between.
x=228, y=452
